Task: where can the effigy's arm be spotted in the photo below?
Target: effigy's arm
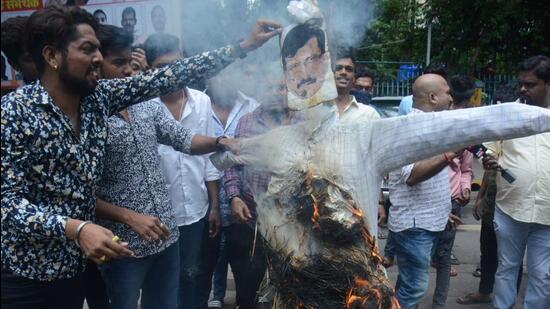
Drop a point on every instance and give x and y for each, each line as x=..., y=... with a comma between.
x=276, y=151
x=395, y=142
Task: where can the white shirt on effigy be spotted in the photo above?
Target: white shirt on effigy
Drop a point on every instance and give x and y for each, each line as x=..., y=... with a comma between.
x=425, y=205
x=356, y=154
x=185, y=175
x=527, y=199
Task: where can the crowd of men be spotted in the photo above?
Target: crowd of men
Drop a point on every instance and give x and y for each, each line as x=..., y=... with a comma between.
x=108, y=193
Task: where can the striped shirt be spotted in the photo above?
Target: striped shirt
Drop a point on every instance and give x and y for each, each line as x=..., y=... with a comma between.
x=425, y=205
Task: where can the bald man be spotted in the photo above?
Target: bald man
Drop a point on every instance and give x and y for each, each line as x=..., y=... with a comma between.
x=421, y=200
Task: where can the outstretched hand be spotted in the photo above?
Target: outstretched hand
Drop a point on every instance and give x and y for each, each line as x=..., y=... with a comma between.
x=262, y=31
x=230, y=144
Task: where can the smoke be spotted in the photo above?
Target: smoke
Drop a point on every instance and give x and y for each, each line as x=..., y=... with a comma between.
x=210, y=24
x=347, y=21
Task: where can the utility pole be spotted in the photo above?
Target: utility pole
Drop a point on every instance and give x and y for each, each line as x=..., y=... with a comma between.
x=429, y=44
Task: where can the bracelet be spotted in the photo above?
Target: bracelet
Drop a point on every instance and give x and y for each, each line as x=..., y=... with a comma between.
x=78, y=230
x=218, y=140
x=381, y=203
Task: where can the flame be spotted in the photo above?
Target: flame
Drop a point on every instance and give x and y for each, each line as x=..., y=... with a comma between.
x=361, y=283
x=309, y=181
x=315, y=215
x=357, y=212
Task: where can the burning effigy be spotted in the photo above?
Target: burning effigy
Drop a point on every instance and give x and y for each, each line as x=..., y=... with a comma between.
x=320, y=254
x=318, y=216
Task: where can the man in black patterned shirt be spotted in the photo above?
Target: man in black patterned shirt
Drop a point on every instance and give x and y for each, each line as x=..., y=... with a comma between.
x=53, y=140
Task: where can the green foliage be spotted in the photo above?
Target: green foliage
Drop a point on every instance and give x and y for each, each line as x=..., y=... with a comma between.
x=466, y=34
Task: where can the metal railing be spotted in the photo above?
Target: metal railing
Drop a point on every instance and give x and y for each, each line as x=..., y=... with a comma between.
x=395, y=87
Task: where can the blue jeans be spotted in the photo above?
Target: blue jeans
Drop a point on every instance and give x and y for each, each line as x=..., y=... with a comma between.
x=156, y=275
x=513, y=237
x=190, y=246
x=413, y=250
x=219, y=281
x=442, y=257
x=209, y=257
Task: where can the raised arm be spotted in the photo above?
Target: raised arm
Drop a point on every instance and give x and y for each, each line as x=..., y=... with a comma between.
x=172, y=133
x=395, y=142
x=121, y=93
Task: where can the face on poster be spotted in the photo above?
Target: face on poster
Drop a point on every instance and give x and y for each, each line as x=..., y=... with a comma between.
x=142, y=18
x=306, y=63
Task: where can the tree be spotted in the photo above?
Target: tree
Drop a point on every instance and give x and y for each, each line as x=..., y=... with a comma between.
x=472, y=33
x=466, y=34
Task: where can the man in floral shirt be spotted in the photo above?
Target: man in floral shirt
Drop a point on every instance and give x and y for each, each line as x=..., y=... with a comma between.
x=53, y=139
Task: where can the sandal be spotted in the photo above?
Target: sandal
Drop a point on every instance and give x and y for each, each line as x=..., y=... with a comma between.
x=472, y=299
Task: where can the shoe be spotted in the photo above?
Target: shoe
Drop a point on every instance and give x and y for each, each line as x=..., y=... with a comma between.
x=473, y=298
x=477, y=272
x=215, y=303
x=263, y=302
x=454, y=260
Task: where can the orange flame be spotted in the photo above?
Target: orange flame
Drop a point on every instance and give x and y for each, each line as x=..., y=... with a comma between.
x=315, y=215
x=357, y=212
x=361, y=283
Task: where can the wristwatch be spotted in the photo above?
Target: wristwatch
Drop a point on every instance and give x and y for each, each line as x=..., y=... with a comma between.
x=218, y=139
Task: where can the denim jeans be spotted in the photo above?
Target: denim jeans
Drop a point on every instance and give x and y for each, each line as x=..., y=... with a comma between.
x=442, y=257
x=209, y=256
x=413, y=250
x=389, y=249
x=513, y=237
x=156, y=275
x=248, y=270
x=94, y=287
x=23, y=293
x=219, y=281
x=190, y=244
x=489, y=260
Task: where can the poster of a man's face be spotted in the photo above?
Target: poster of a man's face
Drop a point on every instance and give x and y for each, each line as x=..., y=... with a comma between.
x=100, y=16
x=306, y=63
x=129, y=19
x=158, y=18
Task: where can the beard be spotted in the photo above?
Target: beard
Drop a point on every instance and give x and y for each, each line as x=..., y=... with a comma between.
x=79, y=85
